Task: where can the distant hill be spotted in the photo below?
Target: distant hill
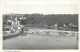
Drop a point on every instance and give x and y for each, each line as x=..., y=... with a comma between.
x=41, y=19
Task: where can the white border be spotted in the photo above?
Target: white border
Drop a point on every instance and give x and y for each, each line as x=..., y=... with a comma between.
x=33, y=2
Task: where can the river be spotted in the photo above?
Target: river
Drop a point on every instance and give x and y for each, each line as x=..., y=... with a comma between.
x=35, y=42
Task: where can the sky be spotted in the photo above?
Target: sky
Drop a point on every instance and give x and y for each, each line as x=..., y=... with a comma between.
x=41, y=8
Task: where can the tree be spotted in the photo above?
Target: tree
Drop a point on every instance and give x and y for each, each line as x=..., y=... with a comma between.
x=60, y=24
x=23, y=21
x=9, y=23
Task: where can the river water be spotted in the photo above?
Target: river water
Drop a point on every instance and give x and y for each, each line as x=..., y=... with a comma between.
x=35, y=42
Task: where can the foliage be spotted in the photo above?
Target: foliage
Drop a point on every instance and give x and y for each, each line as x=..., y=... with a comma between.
x=48, y=20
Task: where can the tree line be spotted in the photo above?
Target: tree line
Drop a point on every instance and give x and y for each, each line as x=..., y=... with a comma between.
x=42, y=20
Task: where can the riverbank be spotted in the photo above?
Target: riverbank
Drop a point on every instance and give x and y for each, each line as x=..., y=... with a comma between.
x=10, y=35
x=40, y=31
